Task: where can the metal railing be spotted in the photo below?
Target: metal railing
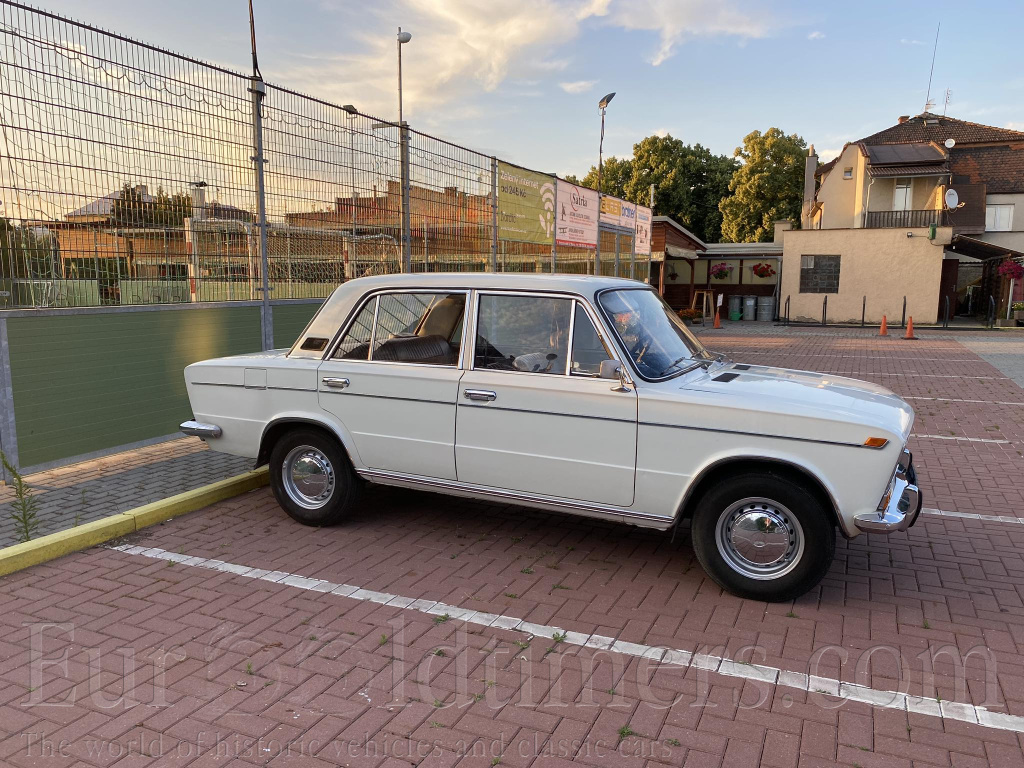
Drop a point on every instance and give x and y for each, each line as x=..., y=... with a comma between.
x=133, y=175
x=900, y=219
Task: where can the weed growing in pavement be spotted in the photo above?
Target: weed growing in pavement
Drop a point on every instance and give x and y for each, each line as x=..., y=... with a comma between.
x=522, y=644
x=495, y=760
x=383, y=640
x=438, y=703
x=513, y=595
x=435, y=724
x=672, y=742
x=25, y=505
x=248, y=668
x=925, y=624
x=792, y=615
x=313, y=638
x=561, y=586
x=559, y=637
x=441, y=619
x=440, y=653
x=625, y=732
x=527, y=570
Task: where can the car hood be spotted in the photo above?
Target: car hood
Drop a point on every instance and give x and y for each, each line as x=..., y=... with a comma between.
x=805, y=397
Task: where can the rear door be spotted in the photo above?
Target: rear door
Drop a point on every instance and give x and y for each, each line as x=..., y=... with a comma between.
x=393, y=381
x=532, y=415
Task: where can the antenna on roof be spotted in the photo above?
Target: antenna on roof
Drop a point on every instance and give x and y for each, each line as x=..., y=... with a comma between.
x=928, y=103
x=949, y=96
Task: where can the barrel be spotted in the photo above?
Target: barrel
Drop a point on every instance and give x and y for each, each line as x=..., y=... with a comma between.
x=749, y=307
x=765, y=308
x=736, y=307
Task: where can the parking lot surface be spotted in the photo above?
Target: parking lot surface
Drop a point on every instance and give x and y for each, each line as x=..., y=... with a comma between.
x=434, y=631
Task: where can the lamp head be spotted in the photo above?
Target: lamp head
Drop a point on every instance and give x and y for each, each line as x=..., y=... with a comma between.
x=404, y=37
x=606, y=100
x=350, y=109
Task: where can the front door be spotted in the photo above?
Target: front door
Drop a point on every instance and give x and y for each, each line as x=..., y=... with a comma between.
x=532, y=415
x=393, y=381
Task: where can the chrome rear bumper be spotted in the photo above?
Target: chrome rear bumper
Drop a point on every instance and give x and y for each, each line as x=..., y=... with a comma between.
x=199, y=429
x=902, y=507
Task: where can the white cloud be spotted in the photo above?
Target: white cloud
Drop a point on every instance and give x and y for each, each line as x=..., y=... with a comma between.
x=661, y=132
x=825, y=155
x=1015, y=126
x=578, y=86
x=907, y=41
x=816, y=35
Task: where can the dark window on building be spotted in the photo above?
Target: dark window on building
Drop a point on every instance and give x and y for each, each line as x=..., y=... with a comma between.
x=819, y=274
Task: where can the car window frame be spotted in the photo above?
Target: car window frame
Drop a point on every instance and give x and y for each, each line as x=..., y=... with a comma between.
x=574, y=299
x=374, y=296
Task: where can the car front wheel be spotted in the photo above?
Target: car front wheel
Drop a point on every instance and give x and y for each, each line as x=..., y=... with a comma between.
x=312, y=478
x=763, y=536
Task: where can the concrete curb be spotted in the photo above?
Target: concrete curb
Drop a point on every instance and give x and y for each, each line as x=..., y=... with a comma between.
x=58, y=544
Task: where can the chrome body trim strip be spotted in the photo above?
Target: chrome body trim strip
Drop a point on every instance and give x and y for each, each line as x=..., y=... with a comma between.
x=553, y=413
x=749, y=434
x=242, y=386
x=485, y=491
x=199, y=429
x=387, y=397
x=900, y=512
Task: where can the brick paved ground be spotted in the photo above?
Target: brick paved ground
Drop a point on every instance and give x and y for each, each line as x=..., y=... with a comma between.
x=228, y=670
x=93, y=489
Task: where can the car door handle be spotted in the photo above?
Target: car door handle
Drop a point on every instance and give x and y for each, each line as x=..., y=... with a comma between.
x=335, y=383
x=479, y=394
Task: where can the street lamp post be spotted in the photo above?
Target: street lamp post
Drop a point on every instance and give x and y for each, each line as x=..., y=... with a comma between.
x=602, y=105
x=403, y=38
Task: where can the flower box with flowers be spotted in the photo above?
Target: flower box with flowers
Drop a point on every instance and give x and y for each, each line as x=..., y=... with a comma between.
x=763, y=270
x=1011, y=270
x=721, y=271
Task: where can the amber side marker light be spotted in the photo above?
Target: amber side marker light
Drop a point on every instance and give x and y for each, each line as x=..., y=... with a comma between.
x=876, y=442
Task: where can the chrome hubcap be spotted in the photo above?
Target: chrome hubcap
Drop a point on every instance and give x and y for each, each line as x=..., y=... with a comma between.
x=309, y=477
x=759, y=538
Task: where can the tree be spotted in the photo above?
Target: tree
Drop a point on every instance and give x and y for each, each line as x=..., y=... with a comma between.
x=767, y=187
x=135, y=208
x=614, y=176
x=689, y=181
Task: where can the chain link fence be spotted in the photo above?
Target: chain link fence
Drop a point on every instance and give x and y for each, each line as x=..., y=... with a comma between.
x=128, y=176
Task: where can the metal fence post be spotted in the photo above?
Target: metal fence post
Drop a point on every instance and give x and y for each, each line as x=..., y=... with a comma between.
x=8, y=433
x=259, y=90
x=494, y=214
x=406, y=213
x=554, y=228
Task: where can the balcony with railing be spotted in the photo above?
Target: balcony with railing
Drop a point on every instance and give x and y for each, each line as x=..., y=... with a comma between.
x=903, y=219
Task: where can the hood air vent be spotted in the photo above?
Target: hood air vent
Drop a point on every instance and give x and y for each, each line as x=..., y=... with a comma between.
x=725, y=377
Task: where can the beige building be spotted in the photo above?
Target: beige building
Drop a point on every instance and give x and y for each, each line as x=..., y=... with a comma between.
x=925, y=209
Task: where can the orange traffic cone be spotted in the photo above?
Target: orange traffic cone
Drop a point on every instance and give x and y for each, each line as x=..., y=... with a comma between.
x=718, y=320
x=910, y=329
x=884, y=330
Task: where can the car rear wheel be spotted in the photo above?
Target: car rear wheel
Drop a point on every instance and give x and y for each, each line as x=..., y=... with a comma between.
x=312, y=478
x=763, y=536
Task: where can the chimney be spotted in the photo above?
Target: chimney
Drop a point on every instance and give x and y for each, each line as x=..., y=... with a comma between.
x=902, y=119
x=810, y=169
x=780, y=228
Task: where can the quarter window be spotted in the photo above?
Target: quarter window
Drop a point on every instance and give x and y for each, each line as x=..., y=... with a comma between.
x=588, y=349
x=423, y=328
x=529, y=334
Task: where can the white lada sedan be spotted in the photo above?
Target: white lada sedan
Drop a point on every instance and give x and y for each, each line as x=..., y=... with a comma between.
x=566, y=393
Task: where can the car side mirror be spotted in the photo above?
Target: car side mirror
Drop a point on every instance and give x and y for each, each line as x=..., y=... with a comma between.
x=609, y=369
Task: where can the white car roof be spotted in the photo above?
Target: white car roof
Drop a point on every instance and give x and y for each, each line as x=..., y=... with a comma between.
x=340, y=303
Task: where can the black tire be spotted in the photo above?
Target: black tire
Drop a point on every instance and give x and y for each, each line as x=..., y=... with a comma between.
x=330, y=472
x=802, y=534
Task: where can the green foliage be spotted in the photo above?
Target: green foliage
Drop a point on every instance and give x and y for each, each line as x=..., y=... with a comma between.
x=768, y=186
x=689, y=182
x=132, y=208
x=26, y=252
x=25, y=504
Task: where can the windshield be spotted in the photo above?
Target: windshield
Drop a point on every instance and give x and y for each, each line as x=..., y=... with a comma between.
x=656, y=339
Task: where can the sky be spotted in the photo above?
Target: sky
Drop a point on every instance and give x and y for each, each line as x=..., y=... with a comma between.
x=521, y=79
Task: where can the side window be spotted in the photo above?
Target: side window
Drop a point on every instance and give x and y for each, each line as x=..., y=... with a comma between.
x=411, y=328
x=356, y=343
x=588, y=350
x=523, y=333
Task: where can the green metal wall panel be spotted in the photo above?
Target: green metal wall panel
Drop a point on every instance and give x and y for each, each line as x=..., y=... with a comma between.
x=89, y=382
x=289, y=320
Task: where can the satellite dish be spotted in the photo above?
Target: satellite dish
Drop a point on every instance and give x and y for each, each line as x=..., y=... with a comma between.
x=949, y=143
x=952, y=198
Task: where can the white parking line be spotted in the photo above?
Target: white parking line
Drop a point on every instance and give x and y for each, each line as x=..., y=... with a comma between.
x=922, y=375
x=785, y=353
x=946, y=710
x=960, y=400
x=965, y=439
x=973, y=516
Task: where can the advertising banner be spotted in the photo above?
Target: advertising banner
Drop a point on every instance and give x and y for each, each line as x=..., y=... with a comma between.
x=576, y=220
x=526, y=205
x=618, y=213
x=642, y=243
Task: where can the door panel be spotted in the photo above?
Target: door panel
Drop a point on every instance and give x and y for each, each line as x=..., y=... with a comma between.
x=401, y=417
x=552, y=435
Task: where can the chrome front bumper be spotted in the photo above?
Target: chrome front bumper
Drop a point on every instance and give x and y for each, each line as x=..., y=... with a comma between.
x=199, y=429
x=901, y=507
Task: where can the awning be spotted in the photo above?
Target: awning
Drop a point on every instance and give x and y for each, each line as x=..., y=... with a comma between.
x=888, y=171
x=981, y=249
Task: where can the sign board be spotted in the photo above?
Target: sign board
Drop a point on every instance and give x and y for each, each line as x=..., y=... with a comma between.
x=526, y=205
x=618, y=213
x=576, y=217
x=642, y=243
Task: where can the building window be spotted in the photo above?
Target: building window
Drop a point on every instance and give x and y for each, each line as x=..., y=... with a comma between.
x=998, y=218
x=901, y=199
x=847, y=173
x=819, y=274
